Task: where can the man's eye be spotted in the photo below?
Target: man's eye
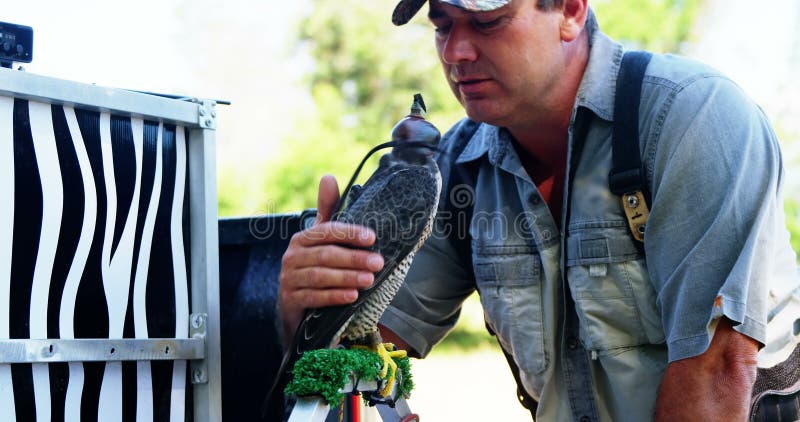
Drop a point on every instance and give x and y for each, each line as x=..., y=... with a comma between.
x=442, y=29
x=490, y=24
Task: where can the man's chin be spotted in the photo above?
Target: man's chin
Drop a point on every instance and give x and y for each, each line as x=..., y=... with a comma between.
x=483, y=114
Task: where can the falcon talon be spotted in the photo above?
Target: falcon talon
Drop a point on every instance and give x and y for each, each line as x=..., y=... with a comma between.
x=387, y=351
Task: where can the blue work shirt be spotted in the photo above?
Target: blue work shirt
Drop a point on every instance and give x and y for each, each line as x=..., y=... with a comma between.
x=716, y=245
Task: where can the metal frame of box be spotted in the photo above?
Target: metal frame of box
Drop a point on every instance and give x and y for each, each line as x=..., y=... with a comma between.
x=202, y=349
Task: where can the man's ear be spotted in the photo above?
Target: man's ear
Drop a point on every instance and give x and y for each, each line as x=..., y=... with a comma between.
x=573, y=19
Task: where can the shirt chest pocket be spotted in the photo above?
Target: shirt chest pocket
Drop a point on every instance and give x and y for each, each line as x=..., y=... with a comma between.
x=614, y=298
x=509, y=281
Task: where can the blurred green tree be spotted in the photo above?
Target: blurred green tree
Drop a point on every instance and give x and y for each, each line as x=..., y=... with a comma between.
x=793, y=222
x=365, y=73
x=656, y=25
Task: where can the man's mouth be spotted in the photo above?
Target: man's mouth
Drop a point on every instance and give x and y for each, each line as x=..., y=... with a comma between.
x=470, y=81
x=472, y=86
x=466, y=74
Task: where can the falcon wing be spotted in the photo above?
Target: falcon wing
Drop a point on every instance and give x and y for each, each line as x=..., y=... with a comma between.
x=399, y=207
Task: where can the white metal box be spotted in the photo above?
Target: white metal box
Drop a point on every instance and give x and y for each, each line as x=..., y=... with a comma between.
x=109, y=273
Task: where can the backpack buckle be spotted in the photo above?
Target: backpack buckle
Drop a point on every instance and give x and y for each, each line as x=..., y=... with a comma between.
x=637, y=213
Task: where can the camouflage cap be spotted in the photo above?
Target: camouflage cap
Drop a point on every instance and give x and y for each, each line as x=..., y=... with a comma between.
x=406, y=9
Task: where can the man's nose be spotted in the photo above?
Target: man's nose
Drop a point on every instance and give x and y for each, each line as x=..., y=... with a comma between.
x=459, y=47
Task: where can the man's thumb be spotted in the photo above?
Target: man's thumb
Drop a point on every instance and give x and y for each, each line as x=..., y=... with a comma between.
x=326, y=198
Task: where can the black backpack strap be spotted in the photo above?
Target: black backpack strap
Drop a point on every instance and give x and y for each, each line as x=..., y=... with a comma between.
x=628, y=177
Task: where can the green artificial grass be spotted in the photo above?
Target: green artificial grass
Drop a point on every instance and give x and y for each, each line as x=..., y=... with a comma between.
x=325, y=371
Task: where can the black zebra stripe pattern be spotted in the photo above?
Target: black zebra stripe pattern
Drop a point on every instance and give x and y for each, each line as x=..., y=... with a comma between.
x=93, y=241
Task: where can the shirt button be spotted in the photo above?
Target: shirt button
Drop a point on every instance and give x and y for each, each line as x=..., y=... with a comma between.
x=534, y=199
x=572, y=344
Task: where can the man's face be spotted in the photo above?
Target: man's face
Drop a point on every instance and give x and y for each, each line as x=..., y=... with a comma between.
x=502, y=65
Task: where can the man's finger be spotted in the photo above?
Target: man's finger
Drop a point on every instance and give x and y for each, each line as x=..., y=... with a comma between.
x=326, y=278
x=326, y=198
x=318, y=298
x=332, y=256
x=334, y=233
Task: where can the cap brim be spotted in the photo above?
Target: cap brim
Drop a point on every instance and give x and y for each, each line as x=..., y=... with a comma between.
x=406, y=9
x=477, y=5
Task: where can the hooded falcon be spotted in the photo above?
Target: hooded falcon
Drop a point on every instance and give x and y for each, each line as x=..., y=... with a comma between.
x=399, y=202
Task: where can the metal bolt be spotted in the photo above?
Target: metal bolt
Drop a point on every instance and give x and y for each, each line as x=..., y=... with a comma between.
x=202, y=111
x=197, y=376
x=633, y=201
x=209, y=122
x=197, y=321
x=640, y=228
x=213, y=113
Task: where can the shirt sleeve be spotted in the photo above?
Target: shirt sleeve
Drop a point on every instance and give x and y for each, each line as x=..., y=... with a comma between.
x=715, y=233
x=428, y=303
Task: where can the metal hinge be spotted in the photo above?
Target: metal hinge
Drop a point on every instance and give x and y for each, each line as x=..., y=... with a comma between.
x=198, y=328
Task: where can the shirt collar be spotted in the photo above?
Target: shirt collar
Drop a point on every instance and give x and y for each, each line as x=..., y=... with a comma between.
x=497, y=144
x=599, y=82
x=483, y=139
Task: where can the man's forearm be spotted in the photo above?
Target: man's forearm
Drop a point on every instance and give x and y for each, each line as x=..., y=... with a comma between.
x=713, y=386
x=696, y=396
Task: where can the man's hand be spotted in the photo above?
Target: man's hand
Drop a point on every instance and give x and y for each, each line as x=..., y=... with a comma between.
x=321, y=266
x=714, y=386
